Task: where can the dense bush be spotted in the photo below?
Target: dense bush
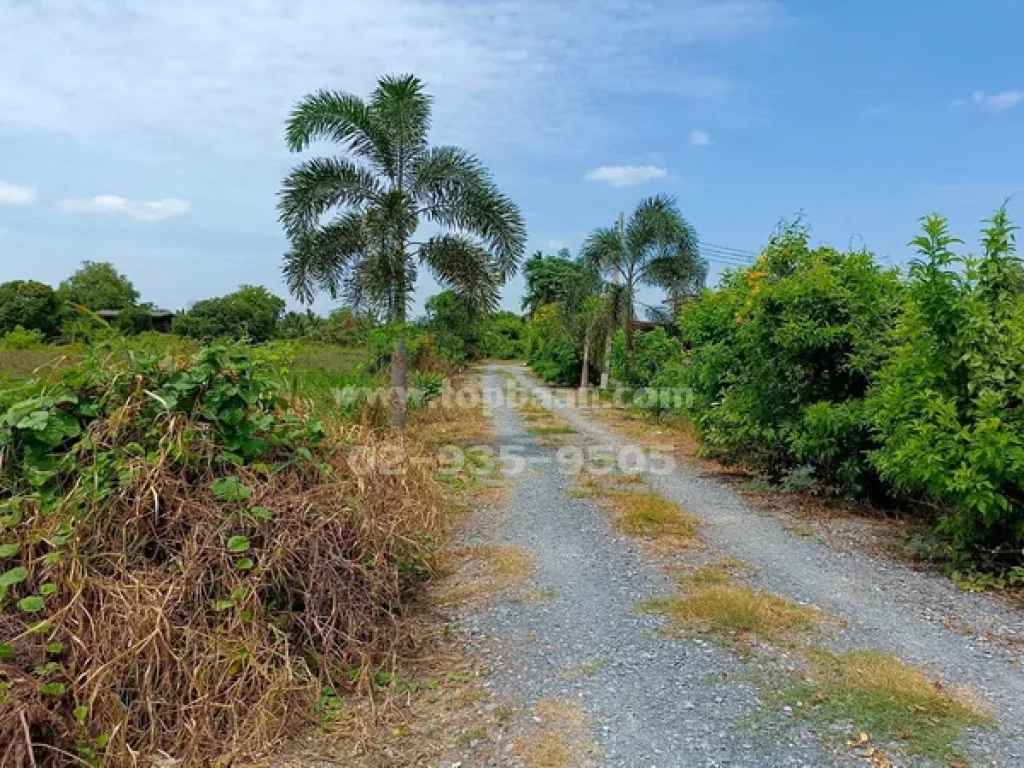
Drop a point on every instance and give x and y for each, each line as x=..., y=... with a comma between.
x=782, y=355
x=185, y=563
x=947, y=408
x=502, y=336
x=251, y=312
x=652, y=352
x=21, y=339
x=31, y=305
x=553, y=353
x=98, y=285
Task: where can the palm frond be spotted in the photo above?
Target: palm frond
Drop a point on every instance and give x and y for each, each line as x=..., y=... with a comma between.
x=467, y=269
x=383, y=282
x=456, y=191
x=603, y=250
x=340, y=117
x=316, y=186
x=319, y=259
x=402, y=108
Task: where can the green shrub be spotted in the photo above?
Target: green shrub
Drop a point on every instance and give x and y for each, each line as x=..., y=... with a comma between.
x=251, y=312
x=782, y=355
x=550, y=350
x=947, y=408
x=652, y=351
x=21, y=339
x=33, y=306
x=502, y=336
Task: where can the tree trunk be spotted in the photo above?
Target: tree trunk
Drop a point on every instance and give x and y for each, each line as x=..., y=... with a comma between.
x=399, y=382
x=606, y=364
x=585, y=373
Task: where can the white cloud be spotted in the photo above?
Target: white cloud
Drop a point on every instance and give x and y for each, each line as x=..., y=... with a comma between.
x=626, y=175
x=14, y=194
x=994, y=102
x=141, y=210
x=222, y=75
x=699, y=138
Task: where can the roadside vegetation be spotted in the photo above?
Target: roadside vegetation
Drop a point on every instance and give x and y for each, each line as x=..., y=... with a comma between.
x=823, y=370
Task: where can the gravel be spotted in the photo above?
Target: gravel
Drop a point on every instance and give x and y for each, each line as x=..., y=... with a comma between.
x=654, y=700
x=660, y=701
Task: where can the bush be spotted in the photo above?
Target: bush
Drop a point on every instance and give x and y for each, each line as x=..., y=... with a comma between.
x=251, y=312
x=185, y=565
x=783, y=354
x=20, y=339
x=550, y=350
x=502, y=336
x=947, y=408
x=31, y=305
x=652, y=351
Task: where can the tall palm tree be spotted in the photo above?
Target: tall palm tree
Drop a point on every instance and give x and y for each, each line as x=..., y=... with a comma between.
x=351, y=219
x=656, y=247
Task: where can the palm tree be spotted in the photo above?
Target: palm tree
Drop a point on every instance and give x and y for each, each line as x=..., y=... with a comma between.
x=351, y=219
x=656, y=247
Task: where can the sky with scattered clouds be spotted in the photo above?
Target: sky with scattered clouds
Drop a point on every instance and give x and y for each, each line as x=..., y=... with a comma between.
x=151, y=134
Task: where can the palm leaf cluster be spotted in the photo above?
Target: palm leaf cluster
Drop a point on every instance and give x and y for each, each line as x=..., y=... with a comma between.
x=352, y=219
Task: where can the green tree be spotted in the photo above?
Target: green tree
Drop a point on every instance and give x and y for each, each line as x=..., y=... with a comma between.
x=251, y=312
x=656, y=247
x=98, y=285
x=549, y=279
x=948, y=408
x=456, y=326
x=31, y=305
x=351, y=219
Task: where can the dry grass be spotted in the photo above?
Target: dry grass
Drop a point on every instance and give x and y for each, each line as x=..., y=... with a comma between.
x=561, y=740
x=712, y=602
x=479, y=573
x=650, y=515
x=881, y=697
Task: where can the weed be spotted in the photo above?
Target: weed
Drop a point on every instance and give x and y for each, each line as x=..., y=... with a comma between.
x=879, y=695
x=650, y=515
x=711, y=602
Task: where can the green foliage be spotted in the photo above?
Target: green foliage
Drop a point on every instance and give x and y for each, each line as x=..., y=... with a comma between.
x=551, y=350
x=550, y=279
x=98, y=285
x=947, y=407
x=21, y=339
x=456, y=327
x=652, y=352
x=251, y=312
x=30, y=305
x=502, y=336
x=782, y=355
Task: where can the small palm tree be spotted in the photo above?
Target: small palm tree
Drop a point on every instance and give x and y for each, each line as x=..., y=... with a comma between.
x=351, y=219
x=656, y=247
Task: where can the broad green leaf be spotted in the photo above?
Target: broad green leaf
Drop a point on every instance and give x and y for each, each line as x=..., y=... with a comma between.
x=13, y=576
x=8, y=550
x=238, y=544
x=32, y=604
x=54, y=689
x=245, y=564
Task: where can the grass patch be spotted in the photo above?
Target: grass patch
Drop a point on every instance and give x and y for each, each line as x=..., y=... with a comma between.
x=713, y=603
x=650, y=515
x=562, y=739
x=485, y=571
x=877, y=694
x=550, y=429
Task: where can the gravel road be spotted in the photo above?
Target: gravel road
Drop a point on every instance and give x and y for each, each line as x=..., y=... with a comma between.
x=662, y=701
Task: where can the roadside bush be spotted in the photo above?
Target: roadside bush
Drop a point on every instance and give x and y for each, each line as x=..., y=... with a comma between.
x=33, y=306
x=782, y=355
x=550, y=350
x=251, y=312
x=652, y=351
x=502, y=336
x=947, y=409
x=185, y=564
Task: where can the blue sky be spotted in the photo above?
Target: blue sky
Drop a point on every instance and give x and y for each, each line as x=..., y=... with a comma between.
x=150, y=134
